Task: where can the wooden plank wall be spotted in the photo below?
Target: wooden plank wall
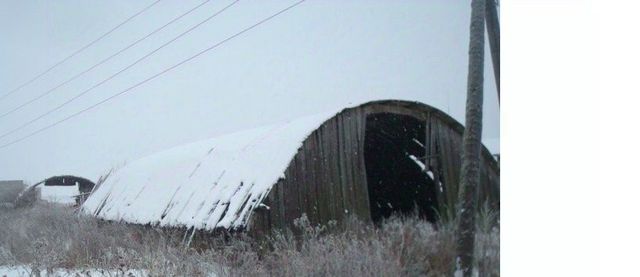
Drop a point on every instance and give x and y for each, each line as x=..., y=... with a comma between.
x=448, y=142
x=326, y=179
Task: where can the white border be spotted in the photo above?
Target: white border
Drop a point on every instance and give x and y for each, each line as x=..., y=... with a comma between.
x=566, y=205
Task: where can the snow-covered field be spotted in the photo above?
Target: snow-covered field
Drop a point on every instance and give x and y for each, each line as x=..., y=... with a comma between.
x=55, y=238
x=24, y=271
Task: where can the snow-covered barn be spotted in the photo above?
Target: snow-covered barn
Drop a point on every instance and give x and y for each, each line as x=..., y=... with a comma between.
x=69, y=189
x=64, y=189
x=370, y=160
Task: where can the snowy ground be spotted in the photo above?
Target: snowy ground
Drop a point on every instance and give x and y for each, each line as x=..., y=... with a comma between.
x=53, y=236
x=19, y=271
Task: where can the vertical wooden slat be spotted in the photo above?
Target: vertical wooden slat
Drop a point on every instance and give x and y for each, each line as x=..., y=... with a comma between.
x=349, y=156
x=281, y=206
x=310, y=172
x=302, y=187
x=447, y=165
x=334, y=161
x=342, y=179
x=292, y=208
x=275, y=212
x=427, y=143
x=329, y=165
x=346, y=162
x=456, y=153
x=360, y=177
x=322, y=202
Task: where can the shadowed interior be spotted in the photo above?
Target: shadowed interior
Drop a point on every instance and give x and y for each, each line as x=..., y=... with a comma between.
x=396, y=182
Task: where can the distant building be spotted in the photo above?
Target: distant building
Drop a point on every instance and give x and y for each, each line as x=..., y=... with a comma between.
x=371, y=161
x=9, y=191
x=80, y=189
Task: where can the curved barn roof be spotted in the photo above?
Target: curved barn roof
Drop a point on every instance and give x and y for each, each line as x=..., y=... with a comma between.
x=203, y=184
x=214, y=183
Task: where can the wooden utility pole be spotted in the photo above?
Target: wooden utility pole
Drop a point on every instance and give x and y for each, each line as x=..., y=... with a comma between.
x=471, y=142
x=493, y=30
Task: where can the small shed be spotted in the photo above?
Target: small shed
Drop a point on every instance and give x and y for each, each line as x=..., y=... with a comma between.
x=370, y=161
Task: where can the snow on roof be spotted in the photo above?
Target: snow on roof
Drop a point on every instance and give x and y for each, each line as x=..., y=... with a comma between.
x=214, y=183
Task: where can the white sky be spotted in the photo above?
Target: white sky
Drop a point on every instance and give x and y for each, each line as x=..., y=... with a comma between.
x=315, y=57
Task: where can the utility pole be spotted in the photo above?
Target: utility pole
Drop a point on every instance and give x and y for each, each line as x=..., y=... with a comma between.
x=493, y=30
x=471, y=142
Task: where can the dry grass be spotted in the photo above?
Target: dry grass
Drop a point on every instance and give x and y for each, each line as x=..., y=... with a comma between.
x=48, y=236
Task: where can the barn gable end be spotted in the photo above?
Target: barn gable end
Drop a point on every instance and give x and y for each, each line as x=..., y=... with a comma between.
x=328, y=177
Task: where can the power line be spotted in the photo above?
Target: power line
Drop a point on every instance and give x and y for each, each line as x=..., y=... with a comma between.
x=78, y=51
x=102, y=61
x=153, y=76
x=117, y=73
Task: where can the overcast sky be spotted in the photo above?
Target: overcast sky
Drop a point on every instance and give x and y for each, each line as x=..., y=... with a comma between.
x=318, y=56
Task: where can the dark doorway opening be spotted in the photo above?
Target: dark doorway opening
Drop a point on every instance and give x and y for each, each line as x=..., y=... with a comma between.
x=397, y=184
